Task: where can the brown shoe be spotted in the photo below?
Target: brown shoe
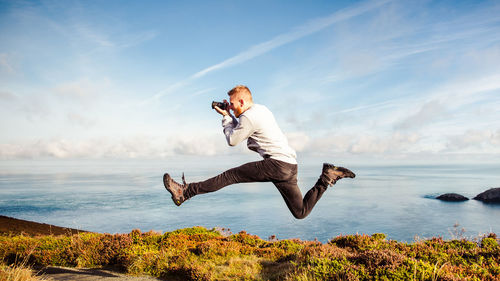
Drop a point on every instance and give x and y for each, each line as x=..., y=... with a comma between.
x=176, y=189
x=331, y=174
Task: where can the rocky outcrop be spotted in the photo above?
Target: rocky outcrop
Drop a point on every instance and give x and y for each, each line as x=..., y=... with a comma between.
x=454, y=197
x=491, y=195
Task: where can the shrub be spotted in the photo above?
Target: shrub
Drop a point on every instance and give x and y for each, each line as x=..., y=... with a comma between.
x=200, y=254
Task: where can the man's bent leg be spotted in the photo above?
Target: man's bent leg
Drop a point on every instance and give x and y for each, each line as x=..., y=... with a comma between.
x=300, y=207
x=284, y=177
x=259, y=171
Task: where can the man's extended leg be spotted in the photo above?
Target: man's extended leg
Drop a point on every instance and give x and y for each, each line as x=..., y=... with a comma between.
x=259, y=171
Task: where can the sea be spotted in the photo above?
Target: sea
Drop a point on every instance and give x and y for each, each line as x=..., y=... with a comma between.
x=110, y=196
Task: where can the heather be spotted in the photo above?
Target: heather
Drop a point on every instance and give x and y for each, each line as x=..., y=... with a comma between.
x=208, y=254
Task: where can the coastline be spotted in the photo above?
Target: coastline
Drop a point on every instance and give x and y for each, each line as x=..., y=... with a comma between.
x=13, y=226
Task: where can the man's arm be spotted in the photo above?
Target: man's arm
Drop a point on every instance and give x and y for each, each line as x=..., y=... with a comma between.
x=236, y=132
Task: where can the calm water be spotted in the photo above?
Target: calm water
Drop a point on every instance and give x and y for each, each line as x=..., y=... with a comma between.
x=116, y=197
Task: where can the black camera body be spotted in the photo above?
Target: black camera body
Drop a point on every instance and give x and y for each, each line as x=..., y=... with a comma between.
x=221, y=105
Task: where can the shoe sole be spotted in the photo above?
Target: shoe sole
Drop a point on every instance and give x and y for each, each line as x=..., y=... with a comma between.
x=166, y=179
x=347, y=173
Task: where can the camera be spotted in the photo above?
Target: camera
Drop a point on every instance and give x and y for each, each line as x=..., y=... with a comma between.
x=221, y=105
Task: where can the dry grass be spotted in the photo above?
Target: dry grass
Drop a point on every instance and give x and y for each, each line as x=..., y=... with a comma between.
x=18, y=273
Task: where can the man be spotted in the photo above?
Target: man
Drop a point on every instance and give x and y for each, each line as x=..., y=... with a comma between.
x=257, y=125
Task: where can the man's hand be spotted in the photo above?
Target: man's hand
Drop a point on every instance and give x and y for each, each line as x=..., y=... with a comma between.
x=222, y=112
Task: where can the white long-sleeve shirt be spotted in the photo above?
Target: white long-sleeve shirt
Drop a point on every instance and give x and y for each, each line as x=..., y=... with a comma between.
x=258, y=126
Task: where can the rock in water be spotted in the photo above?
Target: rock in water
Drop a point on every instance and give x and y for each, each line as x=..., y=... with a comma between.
x=491, y=195
x=452, y=197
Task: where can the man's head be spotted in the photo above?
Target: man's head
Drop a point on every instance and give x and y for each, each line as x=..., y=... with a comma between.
x=240, y=99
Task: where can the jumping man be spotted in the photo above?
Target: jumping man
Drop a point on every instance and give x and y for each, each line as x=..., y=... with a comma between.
x=257, y=125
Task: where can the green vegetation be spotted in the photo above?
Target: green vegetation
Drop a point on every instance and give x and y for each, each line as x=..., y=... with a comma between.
x=200, y=254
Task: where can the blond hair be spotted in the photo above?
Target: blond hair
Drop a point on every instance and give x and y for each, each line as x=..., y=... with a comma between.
x=241, y=91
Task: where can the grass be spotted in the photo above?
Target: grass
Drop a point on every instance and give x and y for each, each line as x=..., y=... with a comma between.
x=202, y=254
x=17, y=273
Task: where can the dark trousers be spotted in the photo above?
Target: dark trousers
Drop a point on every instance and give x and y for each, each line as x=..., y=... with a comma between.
x=283, y=175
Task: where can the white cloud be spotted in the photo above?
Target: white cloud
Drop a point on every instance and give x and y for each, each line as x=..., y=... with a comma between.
x=465, y=90
x=330, y=143
x=366, y=144
x=87, y=33
x=63, y=99
x=80, y=120
x=298, y=140
x=374, y=106
x=104, y=147
x=195, y=146
x=395, y=143
x=475, y=140
x=355, y=145
x=132, y=146
x=425, y=115
x=80, y=90
x=360, y=63
x=91, y=39
x=35, y=108
x=6, y=96
x=6, y=65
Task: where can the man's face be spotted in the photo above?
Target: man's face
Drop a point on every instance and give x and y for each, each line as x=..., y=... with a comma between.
x=235, y=105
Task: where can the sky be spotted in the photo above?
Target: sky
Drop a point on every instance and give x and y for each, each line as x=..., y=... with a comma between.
x=408, y=81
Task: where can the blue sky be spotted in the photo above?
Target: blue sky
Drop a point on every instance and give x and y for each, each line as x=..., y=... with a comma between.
x=352, y=80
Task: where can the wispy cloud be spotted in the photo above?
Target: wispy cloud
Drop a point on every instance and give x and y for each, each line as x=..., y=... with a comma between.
x=89, y=34
x=427, y=113
x=377, y=78
x=7, y=96
x=201, y=92
x=80, y=120
x=6, y=64
x=170, y=89
x=373, y=106
x=377, y=46
x=77, y=29
x=297, y=33
x=456, y=94
x=96, y=39
x=80, y=90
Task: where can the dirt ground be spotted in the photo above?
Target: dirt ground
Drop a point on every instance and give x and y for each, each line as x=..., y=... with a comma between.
x=85, y=274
